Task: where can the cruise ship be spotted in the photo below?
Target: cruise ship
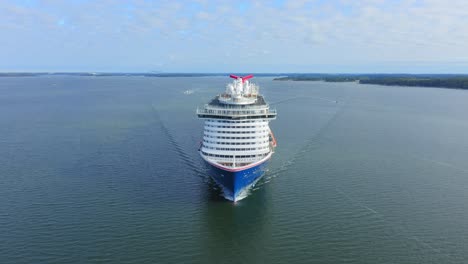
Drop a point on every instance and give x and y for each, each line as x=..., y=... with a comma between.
x=237, y=141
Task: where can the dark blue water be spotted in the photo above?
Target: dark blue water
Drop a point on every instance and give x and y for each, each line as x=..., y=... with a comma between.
x=106, y=169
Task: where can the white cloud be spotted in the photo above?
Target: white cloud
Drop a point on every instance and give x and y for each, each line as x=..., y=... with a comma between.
x=344, y=32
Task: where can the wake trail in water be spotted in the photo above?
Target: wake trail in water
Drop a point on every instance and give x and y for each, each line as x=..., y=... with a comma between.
x=309, y=145
x=186, y=159
x=398, y=229
x=440, y=163
x=355, y=202
x=303, y=97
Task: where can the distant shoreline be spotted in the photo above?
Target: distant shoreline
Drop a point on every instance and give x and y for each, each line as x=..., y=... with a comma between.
x=140, y=74
x=450, y=81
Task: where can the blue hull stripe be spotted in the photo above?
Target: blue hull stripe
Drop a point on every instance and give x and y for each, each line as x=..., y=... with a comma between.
x=234, y=183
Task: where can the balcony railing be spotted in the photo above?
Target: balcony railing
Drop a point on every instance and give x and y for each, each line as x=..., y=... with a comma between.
x=238, y=160
x=235, y=112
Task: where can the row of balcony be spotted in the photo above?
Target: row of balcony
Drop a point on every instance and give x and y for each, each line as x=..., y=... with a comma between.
x=232, y=112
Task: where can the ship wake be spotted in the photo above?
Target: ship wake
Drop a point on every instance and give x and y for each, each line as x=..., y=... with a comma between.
x=188, y=161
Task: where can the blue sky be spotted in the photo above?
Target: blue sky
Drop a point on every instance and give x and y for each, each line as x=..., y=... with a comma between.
x=414, y=36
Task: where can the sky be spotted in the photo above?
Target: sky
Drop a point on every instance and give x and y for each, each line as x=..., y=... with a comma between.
x=335, y=36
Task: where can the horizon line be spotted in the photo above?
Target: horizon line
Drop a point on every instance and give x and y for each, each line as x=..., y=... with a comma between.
x=218, y=73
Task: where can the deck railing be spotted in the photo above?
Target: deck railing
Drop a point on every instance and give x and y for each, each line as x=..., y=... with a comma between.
x=238, y=160
x=235, y=112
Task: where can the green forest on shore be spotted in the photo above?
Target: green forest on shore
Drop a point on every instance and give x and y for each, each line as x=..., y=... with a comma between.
x=421, y=80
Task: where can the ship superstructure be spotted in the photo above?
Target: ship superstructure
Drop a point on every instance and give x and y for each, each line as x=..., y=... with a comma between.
x=237, y=140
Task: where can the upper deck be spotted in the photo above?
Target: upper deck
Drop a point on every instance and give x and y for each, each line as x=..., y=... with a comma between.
x=217, y=109
x=241, y=100
x=218, y=102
